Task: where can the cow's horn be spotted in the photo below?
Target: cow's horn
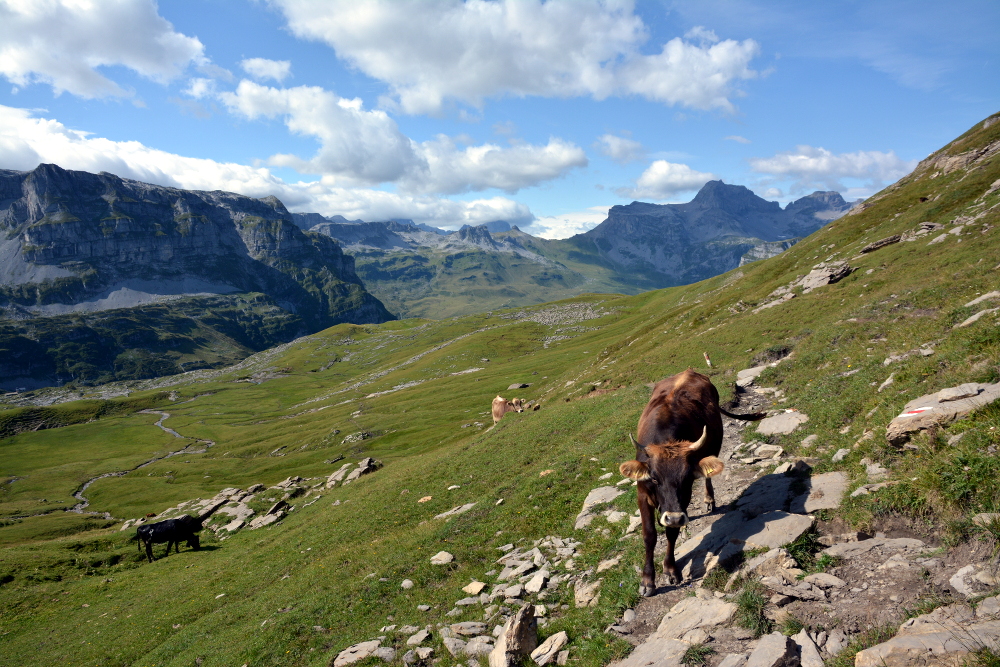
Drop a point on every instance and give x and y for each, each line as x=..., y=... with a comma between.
x=701, y=441
x=636, y=444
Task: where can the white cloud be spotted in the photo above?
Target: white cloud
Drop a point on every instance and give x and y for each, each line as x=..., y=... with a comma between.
x=64, y=42
x=620, y=149
x=199, y=88
x=431, y=52
x=27, y=140
x=262, y=68
x=737, y=138
x=367, y=147
x=567, y=224
x=817, y=168
x=665, y=180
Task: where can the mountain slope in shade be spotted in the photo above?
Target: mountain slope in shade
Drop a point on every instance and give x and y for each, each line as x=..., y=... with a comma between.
x=75, y=242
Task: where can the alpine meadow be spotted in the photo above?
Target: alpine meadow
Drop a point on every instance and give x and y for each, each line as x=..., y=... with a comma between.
x=360, y=507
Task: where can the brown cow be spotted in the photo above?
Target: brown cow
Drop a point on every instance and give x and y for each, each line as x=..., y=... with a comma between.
x=502, y=406
x=680, y=436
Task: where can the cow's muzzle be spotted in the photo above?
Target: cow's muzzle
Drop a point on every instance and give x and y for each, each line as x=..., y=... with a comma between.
x=673, y=519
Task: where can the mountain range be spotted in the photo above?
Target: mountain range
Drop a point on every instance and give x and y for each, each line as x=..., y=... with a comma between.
x=421, y=272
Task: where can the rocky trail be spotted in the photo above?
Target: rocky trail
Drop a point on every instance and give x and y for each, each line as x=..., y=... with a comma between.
x=857, y=583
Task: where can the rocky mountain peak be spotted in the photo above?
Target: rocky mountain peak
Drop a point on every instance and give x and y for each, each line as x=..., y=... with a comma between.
x=735, y=199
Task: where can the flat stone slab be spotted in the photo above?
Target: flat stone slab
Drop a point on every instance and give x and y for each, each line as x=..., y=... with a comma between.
x=655, y=652
x=356, y=653
x=855, y=549
x=599, y=496
x=782, y=424
x=774, y=650
x=825, y=492
x=746, y=377
x=930, y=410
x=770, y=492
x=694, y=612
x=733, y=533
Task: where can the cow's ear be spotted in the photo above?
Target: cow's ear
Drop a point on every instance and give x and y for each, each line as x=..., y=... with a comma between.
x=710, y=466
x=636, y=470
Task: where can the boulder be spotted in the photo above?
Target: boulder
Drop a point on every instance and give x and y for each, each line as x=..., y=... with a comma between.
x=519, y=385
x=338, y=476
x=782, y=424
x=406, y=585
x=549, y=649
x=926, y=411
x=537, y=582
x=442, y=558
x=356, y=653
x=824, y=274
x=774, y=650
x=454, y=645
x=478, y=646
x=808, y=653
x=586, y=594
x=517, y=640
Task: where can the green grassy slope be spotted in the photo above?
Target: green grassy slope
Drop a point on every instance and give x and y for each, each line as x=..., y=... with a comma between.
x=77, y=592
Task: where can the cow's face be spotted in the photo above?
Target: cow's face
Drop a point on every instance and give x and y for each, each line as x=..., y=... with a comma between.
x=517, y=404
x=667, y=473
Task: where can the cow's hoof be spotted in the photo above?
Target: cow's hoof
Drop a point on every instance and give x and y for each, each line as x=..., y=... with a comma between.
x=647, y=591
x=709, y=508
x=673, y=579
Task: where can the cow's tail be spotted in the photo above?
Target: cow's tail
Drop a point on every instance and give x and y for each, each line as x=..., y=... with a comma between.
x=751, y=417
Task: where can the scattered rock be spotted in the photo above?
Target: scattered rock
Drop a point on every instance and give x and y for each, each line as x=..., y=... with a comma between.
x=454, y=645
x=733, y=660
x=441, y=558
x=455, y=511
x=549, y=649
x=406, y=584
x=537, y=582
x=587, y=594
x=608, y=564
x=655, y=653
x=782, y=424
x=598, y=496
x=385, y=653
x=840, y=455
x=823, y=274
x=478, y=646
x=338, y=476
x=519, y=385
x=746, y=377
x=365, y=466
x=825, y=580
x=353, y=654
x=468, y=628
x=888, y=381
x=418, y=638
x=973, y=580
x=871, y=247
x=475, y=588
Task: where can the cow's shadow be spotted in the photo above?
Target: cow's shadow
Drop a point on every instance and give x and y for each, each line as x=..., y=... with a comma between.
x=760, y=515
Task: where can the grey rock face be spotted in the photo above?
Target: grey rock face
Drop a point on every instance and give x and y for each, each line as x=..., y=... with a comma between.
x=76, y=241
x=549, y=649
x=517, y=640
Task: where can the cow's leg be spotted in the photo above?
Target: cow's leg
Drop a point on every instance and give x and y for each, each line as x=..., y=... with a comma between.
x=648, y=586
x=669, y=566
x=709, y=495
x=149, y=549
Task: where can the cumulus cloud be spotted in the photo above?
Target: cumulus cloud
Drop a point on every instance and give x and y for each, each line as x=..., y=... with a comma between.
x=27, y=140
x=665, y=180
x=817, y=168
x=431, y=52
x=620, y=149
x=567, y=224
x=63, y=43
x=263, y=69
x=359, y=146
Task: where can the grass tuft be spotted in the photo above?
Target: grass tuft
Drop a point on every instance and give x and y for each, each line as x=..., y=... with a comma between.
x=697, y=654
x=750, y=603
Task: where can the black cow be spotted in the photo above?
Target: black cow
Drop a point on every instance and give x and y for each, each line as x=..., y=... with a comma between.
x=171, y=531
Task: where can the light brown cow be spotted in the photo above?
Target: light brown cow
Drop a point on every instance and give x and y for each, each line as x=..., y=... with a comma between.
x=680, y=435
x=502, y=406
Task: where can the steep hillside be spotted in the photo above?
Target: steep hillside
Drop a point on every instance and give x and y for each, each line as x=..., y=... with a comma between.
x=912, y=312
x=419, y=272
x=128, y=270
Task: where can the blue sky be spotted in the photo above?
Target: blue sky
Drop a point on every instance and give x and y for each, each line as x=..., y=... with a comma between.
x=450, y=112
